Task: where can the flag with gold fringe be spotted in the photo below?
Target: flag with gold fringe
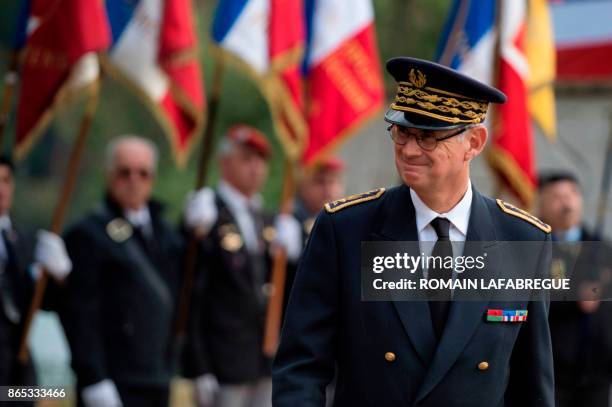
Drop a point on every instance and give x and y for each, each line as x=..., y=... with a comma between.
x=266, y=39
x=154, y=52
x=486, y=40
x=342, y=73
x=59, y=62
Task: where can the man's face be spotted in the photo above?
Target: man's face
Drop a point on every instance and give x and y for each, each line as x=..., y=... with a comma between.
x=245, y=169
x=442, y=167
x=560, y=205
x=7, y=187
x=130, y=180
x=320, y=187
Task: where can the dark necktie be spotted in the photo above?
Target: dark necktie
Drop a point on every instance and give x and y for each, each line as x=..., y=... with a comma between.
x=443, y=248
x=258, y=261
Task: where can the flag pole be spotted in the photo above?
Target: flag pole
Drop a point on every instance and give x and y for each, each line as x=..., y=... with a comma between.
x=279, y=270
x=61, y=209
x=202, y=174
x=494, y=123
x=605, y=184
x=10, y=82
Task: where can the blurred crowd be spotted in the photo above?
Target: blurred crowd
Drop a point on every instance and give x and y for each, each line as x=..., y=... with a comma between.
x=118, y=279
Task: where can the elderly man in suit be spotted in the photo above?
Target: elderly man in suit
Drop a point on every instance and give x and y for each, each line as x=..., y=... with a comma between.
x=238, y=238
x=417, y=353
x=120, y=300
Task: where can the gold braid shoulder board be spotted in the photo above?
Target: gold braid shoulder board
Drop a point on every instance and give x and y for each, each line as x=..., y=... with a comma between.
x=340, y=204
x=526, y=216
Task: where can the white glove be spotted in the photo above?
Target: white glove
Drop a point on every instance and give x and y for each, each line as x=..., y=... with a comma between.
x=101, y=394
x=289, y=235
x=50, y=253
x=200, y=211
x=206, y=387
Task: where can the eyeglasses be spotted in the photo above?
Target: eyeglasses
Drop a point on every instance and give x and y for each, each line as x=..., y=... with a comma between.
x=126, y=173
x=426, y=140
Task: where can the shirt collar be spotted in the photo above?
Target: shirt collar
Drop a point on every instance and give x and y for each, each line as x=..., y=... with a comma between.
x=138, y=217
x=459, y=215
x=236, y=200
x=573, y=234
x=5, y=222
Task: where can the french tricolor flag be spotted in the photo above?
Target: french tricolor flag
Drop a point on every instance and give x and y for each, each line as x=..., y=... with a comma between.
x=266, y=39
x=316, y=62
x=154, y=52
x=342, y=72
x=473, y=43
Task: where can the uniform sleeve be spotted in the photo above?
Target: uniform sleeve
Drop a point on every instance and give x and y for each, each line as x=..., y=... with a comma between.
x=531, y=365
x=305, y=361
x=80, y=313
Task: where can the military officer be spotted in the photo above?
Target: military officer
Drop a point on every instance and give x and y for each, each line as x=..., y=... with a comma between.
x=20, y=267
x=120, y=300
x=581, y=331
x=416, y=353
x=224, y=346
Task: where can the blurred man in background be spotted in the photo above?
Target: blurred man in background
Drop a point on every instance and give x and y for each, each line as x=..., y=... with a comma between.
x=581, y=331
x=121, y=297
x=20, y=267
x=323, y=183
x=224, y=350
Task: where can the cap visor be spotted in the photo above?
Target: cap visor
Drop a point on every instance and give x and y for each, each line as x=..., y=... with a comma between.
x=417, y=121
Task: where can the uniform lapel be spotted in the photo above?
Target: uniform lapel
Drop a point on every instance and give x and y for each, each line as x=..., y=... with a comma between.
x=400, y=225
x=464, y=316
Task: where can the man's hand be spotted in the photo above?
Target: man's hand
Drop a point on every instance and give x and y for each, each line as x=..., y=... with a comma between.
x=51, y=254
x=289, y=235
x=101, y=394
x=200, y=211
x=206, y=387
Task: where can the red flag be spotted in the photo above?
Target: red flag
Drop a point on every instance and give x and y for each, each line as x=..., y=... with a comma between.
x=185, y=102
x=285, y=87
x=344, y=81
x=59, y=61
x=511, y=154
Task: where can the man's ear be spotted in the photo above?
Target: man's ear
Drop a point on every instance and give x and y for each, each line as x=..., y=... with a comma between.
x=477, y=140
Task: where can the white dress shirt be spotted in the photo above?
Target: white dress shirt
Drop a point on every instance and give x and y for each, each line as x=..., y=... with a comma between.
x=459, y=217
x=140, y=218
x=239, y=205
x=5, y=224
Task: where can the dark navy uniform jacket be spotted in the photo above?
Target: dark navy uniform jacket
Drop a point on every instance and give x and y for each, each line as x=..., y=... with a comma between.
x=120, y=300
x=385, y=353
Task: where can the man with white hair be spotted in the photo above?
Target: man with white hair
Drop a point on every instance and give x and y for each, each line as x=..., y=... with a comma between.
x=224, y=349
x=120, y=300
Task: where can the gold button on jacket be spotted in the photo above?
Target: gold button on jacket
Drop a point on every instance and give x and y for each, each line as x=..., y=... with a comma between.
x=389, y=356
x=483, y=365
